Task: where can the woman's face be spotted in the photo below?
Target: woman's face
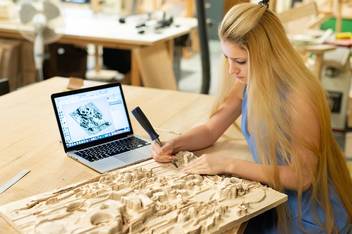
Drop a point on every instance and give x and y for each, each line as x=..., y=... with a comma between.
x=237, y=59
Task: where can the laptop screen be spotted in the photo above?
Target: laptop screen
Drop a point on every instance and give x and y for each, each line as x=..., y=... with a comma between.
x=86, y=116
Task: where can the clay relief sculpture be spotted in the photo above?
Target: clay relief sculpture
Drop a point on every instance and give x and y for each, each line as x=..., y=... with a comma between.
x=141, y=200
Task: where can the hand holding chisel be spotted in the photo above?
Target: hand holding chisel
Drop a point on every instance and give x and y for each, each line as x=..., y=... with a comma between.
x=144, y=122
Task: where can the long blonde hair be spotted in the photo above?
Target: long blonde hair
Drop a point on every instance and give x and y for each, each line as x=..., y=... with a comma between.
x=276, y=71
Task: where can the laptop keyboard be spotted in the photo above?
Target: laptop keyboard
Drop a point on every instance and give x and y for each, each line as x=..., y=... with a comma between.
x=112, y=148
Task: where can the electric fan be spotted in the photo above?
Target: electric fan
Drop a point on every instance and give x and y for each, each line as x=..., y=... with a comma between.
x=40, y=21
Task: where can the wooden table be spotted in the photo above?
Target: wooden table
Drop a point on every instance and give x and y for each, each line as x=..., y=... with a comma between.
x=30, y=138
x=151, y=58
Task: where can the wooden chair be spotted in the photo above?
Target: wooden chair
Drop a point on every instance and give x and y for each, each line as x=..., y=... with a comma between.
x=307, y=13
x=341, y=9
x=300, y=20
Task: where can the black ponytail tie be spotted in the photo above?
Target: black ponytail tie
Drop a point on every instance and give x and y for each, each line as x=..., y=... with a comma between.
x=264, y=3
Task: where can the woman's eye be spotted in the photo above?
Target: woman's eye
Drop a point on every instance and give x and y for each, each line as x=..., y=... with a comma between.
x=241, y=62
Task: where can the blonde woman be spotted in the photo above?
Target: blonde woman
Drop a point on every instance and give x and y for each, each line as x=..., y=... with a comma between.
x=286, y=122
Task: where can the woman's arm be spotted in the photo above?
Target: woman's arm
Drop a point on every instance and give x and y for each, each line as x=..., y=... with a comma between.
x=305, y=130
x=206, y=134
x=260, y=172
x=305, y=127
x=212, y=164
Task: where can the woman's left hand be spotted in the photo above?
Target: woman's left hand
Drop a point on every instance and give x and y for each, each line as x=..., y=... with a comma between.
x=209, y=164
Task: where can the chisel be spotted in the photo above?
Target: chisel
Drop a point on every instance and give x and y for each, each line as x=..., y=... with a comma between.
x=144, y=122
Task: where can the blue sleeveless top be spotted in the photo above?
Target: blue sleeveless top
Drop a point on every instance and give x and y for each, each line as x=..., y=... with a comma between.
x=308, y=217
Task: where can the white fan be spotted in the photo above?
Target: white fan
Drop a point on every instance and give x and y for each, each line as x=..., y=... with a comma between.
x=40, y=22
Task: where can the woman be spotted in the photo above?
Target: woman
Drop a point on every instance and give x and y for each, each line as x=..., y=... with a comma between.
x=286, y=122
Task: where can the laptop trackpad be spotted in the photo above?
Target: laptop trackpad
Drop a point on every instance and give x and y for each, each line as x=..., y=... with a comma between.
x=134, y=155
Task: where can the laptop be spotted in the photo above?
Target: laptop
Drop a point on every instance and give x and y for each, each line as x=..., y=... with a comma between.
x=96, y=130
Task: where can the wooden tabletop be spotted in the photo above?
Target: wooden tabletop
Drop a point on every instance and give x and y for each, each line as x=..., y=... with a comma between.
x=30, y=137
x=82, y=26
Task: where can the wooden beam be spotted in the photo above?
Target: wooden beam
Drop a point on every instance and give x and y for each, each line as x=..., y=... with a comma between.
x=338, y=25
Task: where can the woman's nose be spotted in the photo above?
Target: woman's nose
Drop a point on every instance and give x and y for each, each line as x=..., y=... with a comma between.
x=233, y=69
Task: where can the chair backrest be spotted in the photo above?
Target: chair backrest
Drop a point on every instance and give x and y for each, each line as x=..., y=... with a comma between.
x=302, y=11
x=302, y=18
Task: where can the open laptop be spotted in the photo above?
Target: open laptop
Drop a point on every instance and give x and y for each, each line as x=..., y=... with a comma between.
x=96, y=130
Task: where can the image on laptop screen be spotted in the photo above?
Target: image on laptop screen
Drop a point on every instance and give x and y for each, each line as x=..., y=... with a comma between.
x=93, y=115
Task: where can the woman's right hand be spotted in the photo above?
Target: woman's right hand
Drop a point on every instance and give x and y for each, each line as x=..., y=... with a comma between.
x=164, y=153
